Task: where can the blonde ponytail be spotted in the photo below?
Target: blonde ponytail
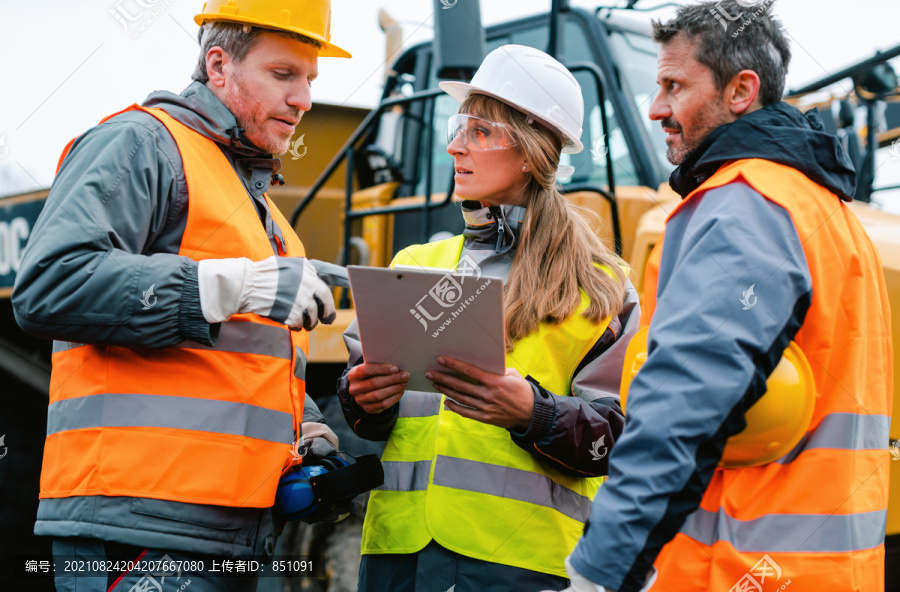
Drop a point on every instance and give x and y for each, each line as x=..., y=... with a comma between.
x=557, y=249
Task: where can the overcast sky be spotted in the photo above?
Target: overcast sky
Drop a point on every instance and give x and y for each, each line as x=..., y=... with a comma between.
x=67, y=64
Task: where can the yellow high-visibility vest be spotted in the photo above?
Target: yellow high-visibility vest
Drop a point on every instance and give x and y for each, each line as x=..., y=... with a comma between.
x=466, y=484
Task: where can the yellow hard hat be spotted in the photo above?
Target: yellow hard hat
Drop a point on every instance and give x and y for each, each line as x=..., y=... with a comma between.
x=311, y=18
x=775, y=424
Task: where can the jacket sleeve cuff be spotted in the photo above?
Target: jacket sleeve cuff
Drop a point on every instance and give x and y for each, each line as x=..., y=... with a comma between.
x=191, y=323
x=543, y=417
x=386, y=417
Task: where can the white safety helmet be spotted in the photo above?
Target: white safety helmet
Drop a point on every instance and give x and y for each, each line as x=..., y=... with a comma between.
x=533, y=82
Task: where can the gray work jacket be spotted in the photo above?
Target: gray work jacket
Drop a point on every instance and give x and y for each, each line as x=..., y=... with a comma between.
x=114, y=221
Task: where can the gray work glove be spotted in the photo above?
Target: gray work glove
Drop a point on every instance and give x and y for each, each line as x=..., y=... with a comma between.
x=284, y=289
x=318, y=439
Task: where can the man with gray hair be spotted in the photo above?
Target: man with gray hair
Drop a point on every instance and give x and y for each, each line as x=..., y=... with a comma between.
x=180, y=301
x=762, y=251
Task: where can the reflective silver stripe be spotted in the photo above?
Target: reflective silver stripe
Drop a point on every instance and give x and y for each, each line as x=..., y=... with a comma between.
x=419, y=404
x=788, y=533
x=290, y=273
x=187, y=413
x=300, y=365
x=249, y=338
x=238, y=337
x=405, y=476
x=844, y=431
x=61, y=346
x=511, y=483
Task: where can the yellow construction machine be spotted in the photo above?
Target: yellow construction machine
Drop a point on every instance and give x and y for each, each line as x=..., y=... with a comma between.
x=363, y=184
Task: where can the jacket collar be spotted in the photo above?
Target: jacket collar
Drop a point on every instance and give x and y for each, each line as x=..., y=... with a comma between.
x=495, y=227
x=202, y=111
x=778, y=133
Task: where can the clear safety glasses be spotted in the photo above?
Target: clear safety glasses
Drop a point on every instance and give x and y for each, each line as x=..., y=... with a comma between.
x=478, y=133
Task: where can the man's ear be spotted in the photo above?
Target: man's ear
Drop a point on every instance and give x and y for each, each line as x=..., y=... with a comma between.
x=742, y=93
x=216, y=61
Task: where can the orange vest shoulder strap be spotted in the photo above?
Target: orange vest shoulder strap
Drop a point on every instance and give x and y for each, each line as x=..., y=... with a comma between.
x=764, y=176
x=651, y=279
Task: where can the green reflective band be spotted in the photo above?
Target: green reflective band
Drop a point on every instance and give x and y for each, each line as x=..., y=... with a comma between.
x=419, y=404
x=158, y=411
x=506, y=482
x=405, y=476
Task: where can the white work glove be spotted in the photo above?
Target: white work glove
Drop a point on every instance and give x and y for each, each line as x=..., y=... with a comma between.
x=284, y=289
x=579, y=583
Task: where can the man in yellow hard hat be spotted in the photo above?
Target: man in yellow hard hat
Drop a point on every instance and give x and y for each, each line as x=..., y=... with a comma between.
x=180, y=301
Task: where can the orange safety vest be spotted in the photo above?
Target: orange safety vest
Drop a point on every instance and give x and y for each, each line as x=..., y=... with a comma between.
x=796, y=524
x=188, y=423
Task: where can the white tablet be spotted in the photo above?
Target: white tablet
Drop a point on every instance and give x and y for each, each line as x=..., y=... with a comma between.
x=409, y=316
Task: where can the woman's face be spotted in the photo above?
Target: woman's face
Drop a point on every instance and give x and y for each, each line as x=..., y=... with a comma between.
x=493, y=176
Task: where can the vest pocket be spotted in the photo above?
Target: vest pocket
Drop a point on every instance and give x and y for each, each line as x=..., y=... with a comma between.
x=220, y=518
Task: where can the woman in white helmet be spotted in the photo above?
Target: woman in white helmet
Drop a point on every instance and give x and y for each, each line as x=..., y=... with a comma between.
x=491, y=492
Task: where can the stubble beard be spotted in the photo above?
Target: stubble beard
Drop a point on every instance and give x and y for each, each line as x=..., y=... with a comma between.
x=252, y=118
x=711, y=119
